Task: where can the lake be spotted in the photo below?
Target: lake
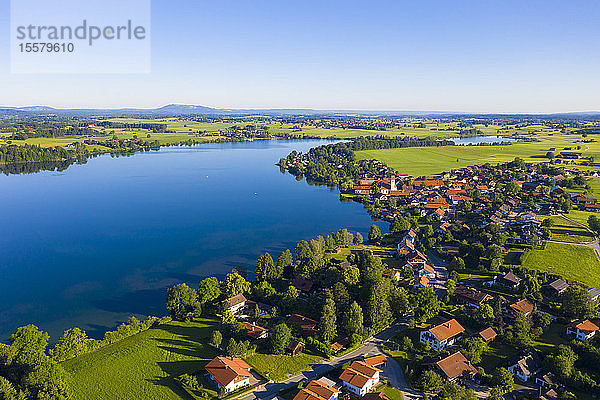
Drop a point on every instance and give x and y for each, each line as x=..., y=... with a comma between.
x=474, y=140
x=101, y=241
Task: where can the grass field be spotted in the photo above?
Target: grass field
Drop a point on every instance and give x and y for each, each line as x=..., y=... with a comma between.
x=142, y=366
x=418, y=161
x=278, y=367
x=581, y=216
x=565, y=230
x=578, y=263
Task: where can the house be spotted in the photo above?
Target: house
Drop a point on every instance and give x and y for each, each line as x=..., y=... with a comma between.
x=522, y=306
x=555, y=288
x=377, y=361
x=302, y=285
x=255, y=332
x=510, y=281
x=442, y=335
x=294, y=348
x=307, y=326
x=455, y=366
x=229, y=373
x=236, y=303
x=470, y=296
x=340, y=344
x=360, y=378
x=582, y=330
x=317, y=390
x=487, y=335
x=525, y=366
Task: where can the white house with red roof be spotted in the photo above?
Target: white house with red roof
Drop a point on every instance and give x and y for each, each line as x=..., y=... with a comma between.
x=229, y=373
x=443, y=335
x=360, y=378
x=582, y=330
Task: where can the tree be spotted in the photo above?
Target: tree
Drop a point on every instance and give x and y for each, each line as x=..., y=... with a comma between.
x=454, y=391
x=563, y=361
x=73, y=343
x=425, y=304
x=265, y=268
x=353, y=319
x=7, y=390
x=351, y=276
x=577, y=303
x=235, y=284
x=182, y=302
x=280, y=338
x=504, y=380
x=430, y=381
x=327, y=326
x=399, y=224
x=541, y=319
x=358, y=238
x=216, y=338
x=209, y=290
x=284, y=262
x=484, y=314
x=473, y=349
x=377, y=311
x=27, y=345
x=340, y=294
x=232, y=347
x=457, y=264
x=399, y=302
x=594, y=223
x=374, y=233
x=521, y=332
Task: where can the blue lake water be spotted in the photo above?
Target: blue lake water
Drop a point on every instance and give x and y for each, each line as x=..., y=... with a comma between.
x=99, y=242
x=474, y=140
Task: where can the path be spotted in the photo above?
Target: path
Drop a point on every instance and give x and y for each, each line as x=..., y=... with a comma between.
x=371, y=346
x=392, y=372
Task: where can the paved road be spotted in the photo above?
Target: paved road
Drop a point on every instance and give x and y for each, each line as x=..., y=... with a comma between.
x=441, y=272
x=371, y=346
x=392, y=372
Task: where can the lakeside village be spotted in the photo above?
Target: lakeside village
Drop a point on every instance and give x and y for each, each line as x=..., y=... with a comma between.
x=509, y=333
x=440, y=307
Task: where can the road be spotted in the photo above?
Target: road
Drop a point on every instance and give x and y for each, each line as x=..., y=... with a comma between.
x=371, y=346
x=441, y=273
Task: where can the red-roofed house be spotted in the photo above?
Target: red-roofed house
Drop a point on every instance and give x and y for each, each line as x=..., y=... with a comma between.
x=582, y=330
x=317, y=390
x=443, y=335
x=360, y=378
x=229, y=373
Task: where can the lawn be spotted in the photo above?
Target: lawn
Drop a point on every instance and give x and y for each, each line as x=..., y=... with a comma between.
x=581, y=216
x=142, y=366
x=392, y=393
x=573, y=262
x=279, y=367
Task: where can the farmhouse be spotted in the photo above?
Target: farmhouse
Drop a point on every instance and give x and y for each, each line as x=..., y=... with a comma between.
x=470, y=296
x=360, y=378
x=555, y=288
x=443, y=335
x=229, y=373
x=255, y=332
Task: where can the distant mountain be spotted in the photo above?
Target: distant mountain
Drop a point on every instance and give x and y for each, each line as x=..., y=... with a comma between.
x=190, y=110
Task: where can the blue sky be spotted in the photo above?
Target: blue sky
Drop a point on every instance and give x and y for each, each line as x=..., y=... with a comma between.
x=476, y=56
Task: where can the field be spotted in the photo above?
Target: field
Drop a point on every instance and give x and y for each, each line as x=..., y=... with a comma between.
x=565, y=230
x=419, y=161
x=574, y=262
x=142, y=366
x=278, y=368
x=581, y=216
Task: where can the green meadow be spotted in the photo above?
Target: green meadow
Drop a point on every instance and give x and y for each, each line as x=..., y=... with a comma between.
x=142, y=366
x=574, y=262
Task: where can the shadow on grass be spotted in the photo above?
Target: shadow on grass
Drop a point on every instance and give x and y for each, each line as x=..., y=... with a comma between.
x=170, y=383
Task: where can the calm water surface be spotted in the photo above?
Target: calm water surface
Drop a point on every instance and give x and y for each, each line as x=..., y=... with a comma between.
x=99, y=242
